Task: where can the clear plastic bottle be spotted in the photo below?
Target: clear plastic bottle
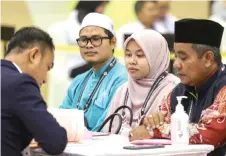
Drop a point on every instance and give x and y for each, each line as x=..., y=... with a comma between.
x=179, y=125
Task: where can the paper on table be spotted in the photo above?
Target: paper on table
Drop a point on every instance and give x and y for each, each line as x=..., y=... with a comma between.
x=94, y=134
x=72, y=120
x=151, y=142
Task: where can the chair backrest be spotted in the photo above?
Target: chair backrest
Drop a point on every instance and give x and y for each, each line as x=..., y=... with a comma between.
x=6, y=33
x=170, y=40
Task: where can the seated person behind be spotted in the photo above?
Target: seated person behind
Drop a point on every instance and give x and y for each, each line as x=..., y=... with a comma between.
x=96, y=43
x=165, y=22
x=203, y=81
x=147, y=13
x=147, y=59
x=67, y=31
x=219, y=16
x=24, y=115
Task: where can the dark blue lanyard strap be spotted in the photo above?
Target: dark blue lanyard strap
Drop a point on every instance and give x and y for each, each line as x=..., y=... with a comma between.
x=110, y=66
x=153, y=87
x=83, y=88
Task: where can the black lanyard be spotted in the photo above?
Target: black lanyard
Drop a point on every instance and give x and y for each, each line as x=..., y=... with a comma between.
x=110, y=66
x=190, y=111
x=153, y=87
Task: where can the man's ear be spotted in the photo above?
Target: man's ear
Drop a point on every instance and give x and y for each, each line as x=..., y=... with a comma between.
x=208, y=58
x=34, y=55
x=113, y=42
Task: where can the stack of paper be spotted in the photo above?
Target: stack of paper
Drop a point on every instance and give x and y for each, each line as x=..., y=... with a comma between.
x=72, y=120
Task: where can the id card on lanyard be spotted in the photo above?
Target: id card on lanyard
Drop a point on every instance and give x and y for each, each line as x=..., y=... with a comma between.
x=104, y=74
x=142, y=114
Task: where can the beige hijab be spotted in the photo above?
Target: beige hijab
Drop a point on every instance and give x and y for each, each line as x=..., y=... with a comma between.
x=157, y=53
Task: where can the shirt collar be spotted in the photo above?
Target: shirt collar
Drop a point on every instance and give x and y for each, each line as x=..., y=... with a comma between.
x=102, y=69
x=17, y=67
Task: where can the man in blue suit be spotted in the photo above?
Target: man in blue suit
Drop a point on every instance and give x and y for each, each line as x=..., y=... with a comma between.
x=24, y=115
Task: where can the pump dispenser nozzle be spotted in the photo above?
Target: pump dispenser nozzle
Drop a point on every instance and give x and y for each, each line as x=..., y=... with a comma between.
x=179, y=98
x=179, y=106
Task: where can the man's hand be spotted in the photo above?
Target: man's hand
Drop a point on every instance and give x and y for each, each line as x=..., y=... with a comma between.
x=154, y=121
x=139, y=133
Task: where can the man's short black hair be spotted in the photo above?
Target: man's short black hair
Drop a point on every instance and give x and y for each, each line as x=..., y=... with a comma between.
x=85, y=7
x=110, y=35
x=89, y=6
x=27, y=37
x=140, y=4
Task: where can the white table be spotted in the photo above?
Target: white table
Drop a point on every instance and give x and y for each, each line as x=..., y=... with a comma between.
x=113, y=146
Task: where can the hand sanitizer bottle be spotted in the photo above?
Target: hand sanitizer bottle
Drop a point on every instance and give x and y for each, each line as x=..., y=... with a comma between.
x=179, y=125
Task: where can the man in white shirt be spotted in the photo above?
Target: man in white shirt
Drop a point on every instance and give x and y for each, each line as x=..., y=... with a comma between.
x=67, y=31
x=151, y=15
x=219, y=15
x=146, y=12
x=165, y=22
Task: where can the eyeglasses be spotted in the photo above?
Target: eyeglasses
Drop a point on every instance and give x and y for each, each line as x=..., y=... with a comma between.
x=96, y=41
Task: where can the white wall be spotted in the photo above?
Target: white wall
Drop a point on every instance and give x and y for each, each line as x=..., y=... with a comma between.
x=45, y=13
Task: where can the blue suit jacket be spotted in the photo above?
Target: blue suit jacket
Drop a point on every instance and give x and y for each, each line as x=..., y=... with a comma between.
x=24, y=115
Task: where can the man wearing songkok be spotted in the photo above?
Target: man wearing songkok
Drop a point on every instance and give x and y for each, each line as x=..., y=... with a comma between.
x=203, y=81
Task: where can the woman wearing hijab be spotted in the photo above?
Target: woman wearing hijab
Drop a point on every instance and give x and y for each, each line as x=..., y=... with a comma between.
x=147, y=59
